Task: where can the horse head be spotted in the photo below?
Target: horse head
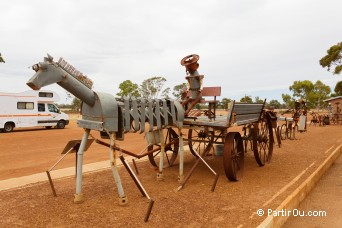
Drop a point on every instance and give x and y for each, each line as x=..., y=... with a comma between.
x=47, y=73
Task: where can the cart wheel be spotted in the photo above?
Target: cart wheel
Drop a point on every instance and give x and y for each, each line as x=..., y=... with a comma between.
x=263, y=142
x=283, y=133
x=294, y=130
x=277, y=132
x=291, y=132
x=233, y=156
x=171, y=150
x=247, y=136
x=200, y=141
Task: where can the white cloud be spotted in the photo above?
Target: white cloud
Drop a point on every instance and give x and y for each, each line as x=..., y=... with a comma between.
x=250, y=46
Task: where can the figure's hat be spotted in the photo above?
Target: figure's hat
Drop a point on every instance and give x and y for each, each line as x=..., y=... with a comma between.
x=190, y=62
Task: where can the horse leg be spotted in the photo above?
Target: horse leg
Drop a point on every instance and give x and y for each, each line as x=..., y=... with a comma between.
x=78, y=195
x=113, y=165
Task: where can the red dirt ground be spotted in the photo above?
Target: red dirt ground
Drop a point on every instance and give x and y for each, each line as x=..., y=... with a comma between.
x=232, y=204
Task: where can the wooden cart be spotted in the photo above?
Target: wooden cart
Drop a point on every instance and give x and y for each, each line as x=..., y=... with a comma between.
x=205, y=131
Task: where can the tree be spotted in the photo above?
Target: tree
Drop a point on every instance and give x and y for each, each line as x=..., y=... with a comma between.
x=319, y=93
x=275, y=103
x=333, y=58
x=288, y=101
x=224, y=103
x=76, y=104
x=301, y=89
x=152, y=87
x=258, y=100
x=338, y=88
x=166, y=92
x=313, y=94
x=178, y=89
x=128, y=88
x=246, y=99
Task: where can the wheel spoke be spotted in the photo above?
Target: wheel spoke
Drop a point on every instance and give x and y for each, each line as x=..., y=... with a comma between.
x=171, y=149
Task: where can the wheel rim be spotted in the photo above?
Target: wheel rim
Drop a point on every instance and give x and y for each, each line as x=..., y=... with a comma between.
x=294, y=130
x=277, y=131
x=60, y=125
x=263, y=143
x=233, y=156
x=200, y=141
x=8, y=127
x=283, y=133
x=171, y=150
x=247, y=137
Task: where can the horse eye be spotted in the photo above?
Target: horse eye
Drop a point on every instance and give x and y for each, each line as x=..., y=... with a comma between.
x=35, y=67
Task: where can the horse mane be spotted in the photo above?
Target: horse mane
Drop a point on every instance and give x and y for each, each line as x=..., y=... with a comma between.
x=74, y=72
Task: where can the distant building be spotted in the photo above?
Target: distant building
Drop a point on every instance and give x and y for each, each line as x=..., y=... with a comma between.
x=336, y=103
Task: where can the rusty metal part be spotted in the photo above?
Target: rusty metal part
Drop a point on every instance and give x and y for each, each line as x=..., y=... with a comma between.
x=171, y=149
x=288, y=129
x=149, y=209
x=263, y=141
x=233, y=156
x=140, y=155
x=200, y=158
x=135, y=166
x=139, y=185
x=247, y=137
x=278, y=136
x=71, y=147
x=199, y=140
x=190, y=62
x=51, y=184
x=271, y=118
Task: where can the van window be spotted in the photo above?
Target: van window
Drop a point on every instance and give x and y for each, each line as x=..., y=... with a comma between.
x=53, y=108
x=41, y=107
x=45, y=94
x=25, y=105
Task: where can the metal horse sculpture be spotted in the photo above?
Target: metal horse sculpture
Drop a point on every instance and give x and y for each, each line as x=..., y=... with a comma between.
x=104, y=113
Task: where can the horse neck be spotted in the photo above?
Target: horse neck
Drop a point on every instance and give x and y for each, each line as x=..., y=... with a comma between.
x=78, y=89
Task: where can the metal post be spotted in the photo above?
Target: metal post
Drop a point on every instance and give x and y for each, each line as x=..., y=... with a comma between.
x=181, y=156
x=78, y=195
x=161, y=156
x=113, y=165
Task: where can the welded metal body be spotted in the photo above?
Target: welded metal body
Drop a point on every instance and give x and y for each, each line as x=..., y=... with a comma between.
x=104, y=113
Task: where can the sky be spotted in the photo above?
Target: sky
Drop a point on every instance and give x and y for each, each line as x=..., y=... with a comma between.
x=248, y=47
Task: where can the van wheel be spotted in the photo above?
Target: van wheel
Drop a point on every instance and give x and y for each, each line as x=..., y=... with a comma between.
x=8, y=127
x=60, y=124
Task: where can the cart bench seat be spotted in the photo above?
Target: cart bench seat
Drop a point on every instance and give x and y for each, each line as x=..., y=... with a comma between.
x=238, y=114
x=214, y=92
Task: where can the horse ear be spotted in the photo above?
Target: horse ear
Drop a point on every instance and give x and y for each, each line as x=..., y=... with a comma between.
x=49, y=58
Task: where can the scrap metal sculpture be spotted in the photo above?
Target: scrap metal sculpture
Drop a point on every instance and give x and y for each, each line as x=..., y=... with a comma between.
x=112, y=117
x=194, y=82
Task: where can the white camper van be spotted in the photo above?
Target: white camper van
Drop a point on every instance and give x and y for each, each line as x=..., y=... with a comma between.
x=30, y=109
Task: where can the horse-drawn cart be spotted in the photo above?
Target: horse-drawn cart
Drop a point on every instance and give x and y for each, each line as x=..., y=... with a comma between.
x=164, y=122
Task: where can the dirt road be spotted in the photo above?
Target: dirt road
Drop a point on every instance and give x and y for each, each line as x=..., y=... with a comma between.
x=232, y=204
x=33, y=150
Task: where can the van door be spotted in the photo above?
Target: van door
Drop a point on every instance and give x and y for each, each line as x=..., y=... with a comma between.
x=53, y=114
x=45, y=116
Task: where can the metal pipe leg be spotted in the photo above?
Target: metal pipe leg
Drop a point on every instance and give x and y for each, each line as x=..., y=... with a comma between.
x=181, y=156
x=78, y=197
x=161, y=156
x=113, y=165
